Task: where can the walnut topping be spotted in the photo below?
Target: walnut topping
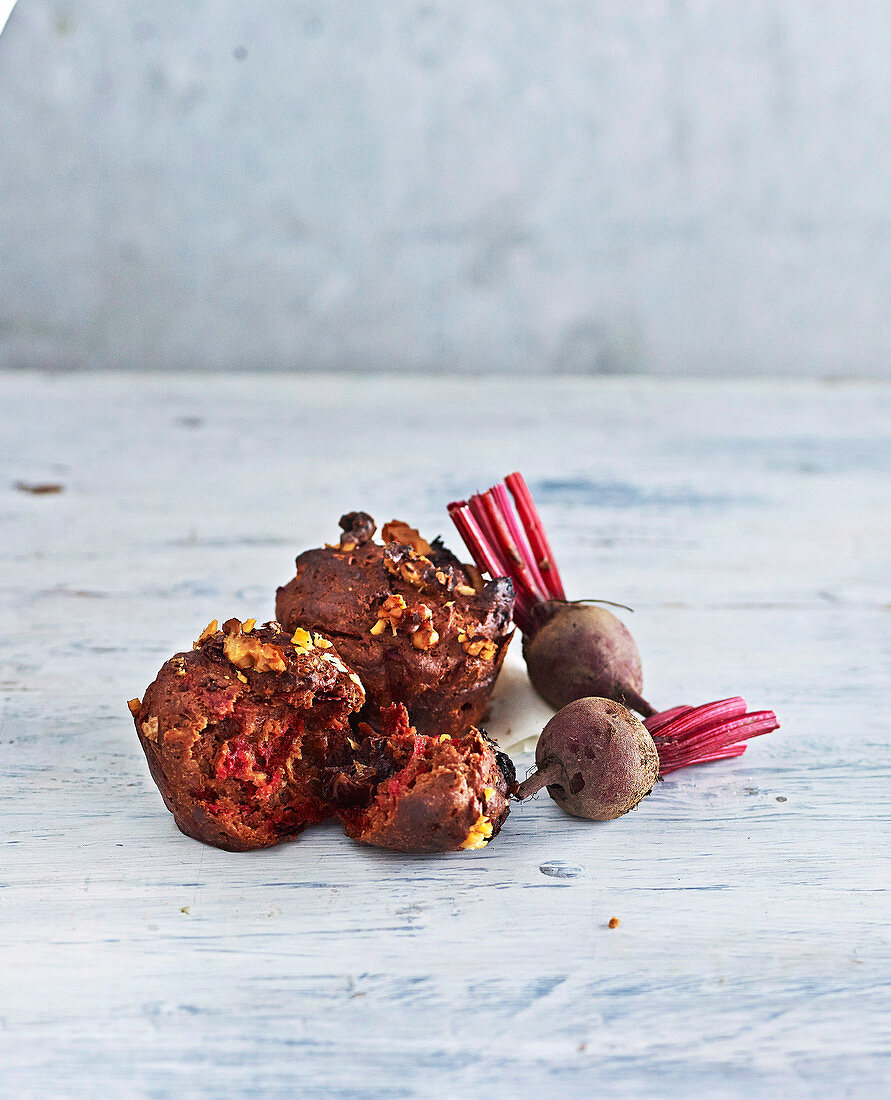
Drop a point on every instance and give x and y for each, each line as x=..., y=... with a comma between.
x=488, y=793
x=207, y=632
x=391, y=611
x=405, y=562
x=302, y=640
x=321, y=643
x=464, y=590
x=397, y=531
x=479, y=834
x=425, y=637
x=247, y=652
x=415, y=621
x=241, y=676
x=478, y=647
x=135, y=706
x=411, y=571
x=248, y=625
x=150, y=729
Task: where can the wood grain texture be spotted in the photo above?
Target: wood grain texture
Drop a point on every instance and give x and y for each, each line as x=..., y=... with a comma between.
x=747, y=523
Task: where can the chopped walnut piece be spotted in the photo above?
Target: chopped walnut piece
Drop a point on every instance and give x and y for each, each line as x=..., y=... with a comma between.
x=425, y=637
x=135, y=706
x=418, y=622
x=321, y=643
x=488, y=793
x=302, y=640
x=249, y=652
x=479, y=834
x=413, y=573
x=397, y=531
x=232, y=626
x=150, y=728
x=391, y=611
x=478, y=647
x=248, y=625
x=207, y=632
x=415, y=621
x=464, y=590
x=406, y=563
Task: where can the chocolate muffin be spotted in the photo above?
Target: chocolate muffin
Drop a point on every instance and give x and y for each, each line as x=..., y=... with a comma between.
x=418, y=627
x=223, y=727
x=410, y=793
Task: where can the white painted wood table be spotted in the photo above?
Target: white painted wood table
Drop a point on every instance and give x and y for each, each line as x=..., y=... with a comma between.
x=746, y=522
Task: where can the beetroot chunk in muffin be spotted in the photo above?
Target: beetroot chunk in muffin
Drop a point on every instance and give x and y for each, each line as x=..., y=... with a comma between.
x=418, y=627
x=401, y=790
x=223, y=726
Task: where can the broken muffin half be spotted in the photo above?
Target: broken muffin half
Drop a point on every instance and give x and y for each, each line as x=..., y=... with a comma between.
x=223, y=728
x=399, y=789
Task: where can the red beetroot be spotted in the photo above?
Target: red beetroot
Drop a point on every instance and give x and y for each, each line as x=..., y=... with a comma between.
x=577, y=651
x=573, y=650
x=598, y=760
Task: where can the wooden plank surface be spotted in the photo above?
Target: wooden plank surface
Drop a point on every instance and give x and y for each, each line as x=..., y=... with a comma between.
x=748, y=525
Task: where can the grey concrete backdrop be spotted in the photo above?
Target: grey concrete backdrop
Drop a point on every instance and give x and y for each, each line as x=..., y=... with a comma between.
x=513, y=185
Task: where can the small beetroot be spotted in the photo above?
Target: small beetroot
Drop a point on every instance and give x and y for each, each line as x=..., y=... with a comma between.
x=596, y=758
x=572, y=649
x=577, y=650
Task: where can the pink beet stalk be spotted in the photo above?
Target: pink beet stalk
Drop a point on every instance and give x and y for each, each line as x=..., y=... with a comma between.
x=486, y=555
x=697, y=735
x=535, y=532
x=525, y=560
x=492, y=533
x=516, y=555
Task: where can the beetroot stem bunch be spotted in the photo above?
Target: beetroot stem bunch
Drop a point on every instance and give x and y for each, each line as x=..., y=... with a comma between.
x=578, y=653
x=490, y=531
x=698, y=735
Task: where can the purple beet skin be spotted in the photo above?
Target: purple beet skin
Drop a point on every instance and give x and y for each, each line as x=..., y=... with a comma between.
x=596, y=759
